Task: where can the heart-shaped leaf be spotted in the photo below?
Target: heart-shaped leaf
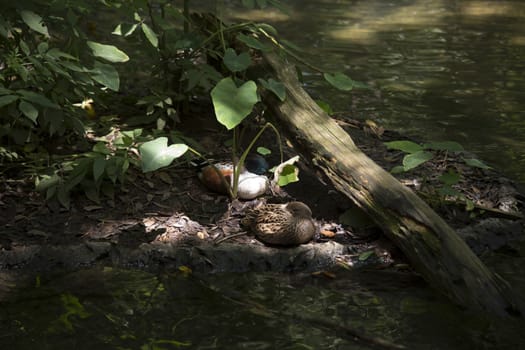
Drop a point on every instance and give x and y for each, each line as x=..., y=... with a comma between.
x=233, y=104
x=156, y=154
x=274, y=86
x=236, y=63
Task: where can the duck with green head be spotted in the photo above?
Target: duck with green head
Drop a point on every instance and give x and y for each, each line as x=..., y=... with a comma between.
x=218, y=177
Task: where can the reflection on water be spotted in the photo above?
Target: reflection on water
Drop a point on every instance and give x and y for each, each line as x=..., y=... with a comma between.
x=441, y=69
x=110, y=309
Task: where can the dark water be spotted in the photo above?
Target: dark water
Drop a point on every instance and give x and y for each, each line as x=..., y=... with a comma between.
x=118, y=309
x=440, y=70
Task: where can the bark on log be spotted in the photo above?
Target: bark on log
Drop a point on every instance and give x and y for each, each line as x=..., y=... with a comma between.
x=433, y=248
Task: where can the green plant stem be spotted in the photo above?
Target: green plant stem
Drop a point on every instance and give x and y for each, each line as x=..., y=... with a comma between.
x=237, y=168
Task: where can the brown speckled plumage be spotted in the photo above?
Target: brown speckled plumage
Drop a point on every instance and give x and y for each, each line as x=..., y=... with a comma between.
x=281, y=224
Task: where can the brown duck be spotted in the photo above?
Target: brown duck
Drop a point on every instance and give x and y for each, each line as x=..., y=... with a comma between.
x=281, y=224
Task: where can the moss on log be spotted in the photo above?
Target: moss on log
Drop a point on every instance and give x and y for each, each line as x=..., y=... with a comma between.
x=432, y=246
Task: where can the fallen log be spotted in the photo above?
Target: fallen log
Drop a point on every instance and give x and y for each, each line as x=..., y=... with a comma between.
x=431, y=245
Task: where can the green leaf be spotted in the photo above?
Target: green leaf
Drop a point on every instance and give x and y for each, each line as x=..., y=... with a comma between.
x=413, y=160
x=447, y=190
x=34, y=22
x=28, y=110
x=263, y=151
x=37, y=98
x=267, y=28
x=63, y=197
x=405, y=146
x=99, y=165
x=397, y=169
x=236, y=63
x=252, y=42
x=469, y=205
x=450, y=178
x=46, y=181
x=288, y=175
x=450, y=146
x=274, y=86
x=156, y=154
x=108, y=52
x=324, y=106
x=473, y=162
x=150, y=35
x=7, y=99
x=339, y=80
x=233, y=104
x=100, y=147
x=24, y=47
x=364, y=256
x=42, y=47
x=106, y=75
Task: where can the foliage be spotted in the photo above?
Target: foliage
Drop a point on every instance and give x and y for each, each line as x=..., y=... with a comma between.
x=417, y=155
x=55, y=70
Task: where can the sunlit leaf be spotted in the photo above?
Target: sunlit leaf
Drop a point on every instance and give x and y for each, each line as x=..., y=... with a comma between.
x=405, y=146
x=34, y=22
x=150, y=35
x=156, y=154
x=108, y=52
x=263, y=151
x=274, y=86
x=413, y=160
x=288, y=175
x=236, y=63
x=233, y=104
